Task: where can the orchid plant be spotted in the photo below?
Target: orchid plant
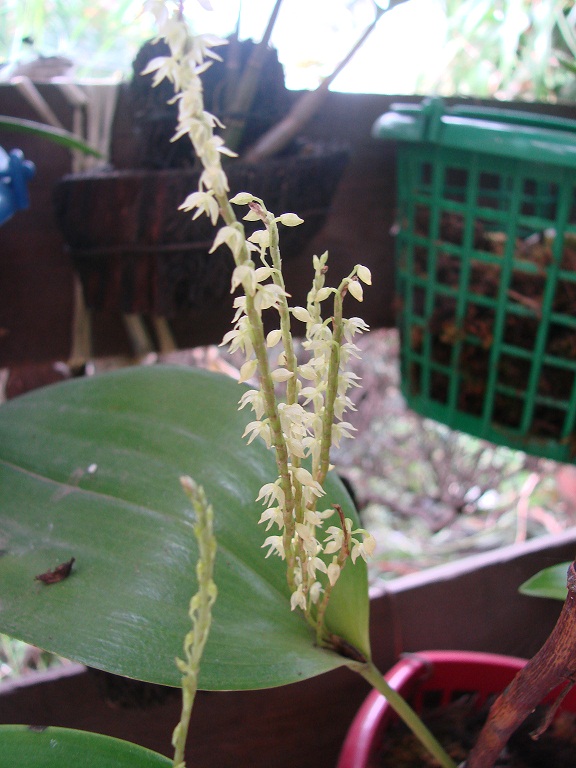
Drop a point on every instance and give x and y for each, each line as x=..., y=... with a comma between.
x=89, y=474
x=123, y=493
x=90, y=468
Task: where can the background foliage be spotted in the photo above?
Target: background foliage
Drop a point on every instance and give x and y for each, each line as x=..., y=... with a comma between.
x=508, y=49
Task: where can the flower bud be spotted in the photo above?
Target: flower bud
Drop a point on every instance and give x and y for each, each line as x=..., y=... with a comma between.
x=364, y=274
x=242, y=198
x=290, y=219
x=355, y=289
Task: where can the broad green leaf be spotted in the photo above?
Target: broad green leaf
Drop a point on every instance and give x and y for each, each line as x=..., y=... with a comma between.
x=64, y=748
x=90, y=469
x=550, y=582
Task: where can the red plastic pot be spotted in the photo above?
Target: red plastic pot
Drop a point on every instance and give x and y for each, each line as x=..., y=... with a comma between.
x=434, y=677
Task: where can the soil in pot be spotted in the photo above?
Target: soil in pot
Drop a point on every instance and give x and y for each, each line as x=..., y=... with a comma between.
x=457, y=725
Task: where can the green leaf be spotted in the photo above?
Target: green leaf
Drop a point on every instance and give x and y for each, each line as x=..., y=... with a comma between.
x=550, y=582
x=90, y=469
x=62, y=748
x=57, y=135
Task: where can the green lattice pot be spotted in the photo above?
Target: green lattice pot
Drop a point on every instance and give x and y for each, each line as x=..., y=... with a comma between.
x=486, y=265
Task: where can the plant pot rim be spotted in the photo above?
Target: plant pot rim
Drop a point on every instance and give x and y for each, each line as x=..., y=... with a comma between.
x=450, y=672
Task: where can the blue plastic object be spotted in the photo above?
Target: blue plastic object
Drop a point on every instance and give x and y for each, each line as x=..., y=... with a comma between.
x=15, y=173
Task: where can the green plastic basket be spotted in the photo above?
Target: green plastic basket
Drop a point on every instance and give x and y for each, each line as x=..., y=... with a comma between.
x=486, y=265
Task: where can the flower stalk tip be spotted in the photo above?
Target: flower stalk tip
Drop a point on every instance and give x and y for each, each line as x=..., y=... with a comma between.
x=200, y=611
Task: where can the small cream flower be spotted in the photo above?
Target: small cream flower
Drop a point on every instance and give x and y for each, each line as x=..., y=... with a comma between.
x=343, y=429
x=311, y=545
x=271, y=491
x=273, y=338
x=268, y=296
x=298, y=599
x=255, y=399
x=259, y=429
x=302, y=314
x=272, y=515
x=276, y=546
x=261, y=238
x=204, y=202
x=333, y=542
x=304, y=477
x=315, y=592
x=164, y=67
x=353, y=325
x=244, y=275
x=242, y=198
x=317, y=518
x=364, y=548
x=281, y=374
x=333, y=572
x=314, y=564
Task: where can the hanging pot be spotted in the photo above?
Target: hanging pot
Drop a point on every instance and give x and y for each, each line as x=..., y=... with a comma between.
x=136, y=252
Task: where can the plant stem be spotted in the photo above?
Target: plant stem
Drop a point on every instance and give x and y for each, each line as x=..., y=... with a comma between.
x=288, y=344
x=343, y=556
x=267, y=386
x=331, y=389
x=283, y=310
x=370, y=673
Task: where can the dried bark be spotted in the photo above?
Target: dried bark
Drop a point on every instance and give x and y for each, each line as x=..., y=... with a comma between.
x=554, y=665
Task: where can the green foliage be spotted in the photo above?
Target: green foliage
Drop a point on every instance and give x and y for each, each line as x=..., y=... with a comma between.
x=505, y=48
x=102, y=38
x=59, y=747
x=508, y=49
x=550, y=582
x=90, y=469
